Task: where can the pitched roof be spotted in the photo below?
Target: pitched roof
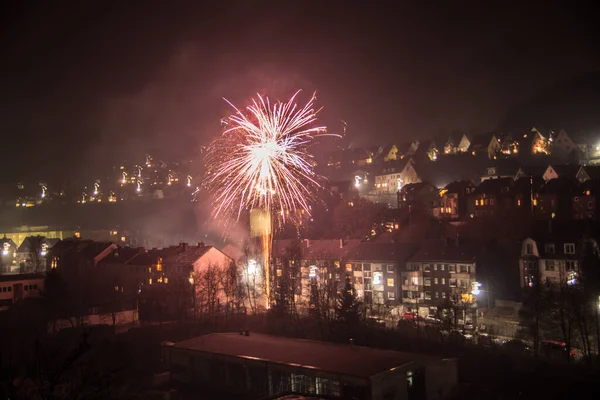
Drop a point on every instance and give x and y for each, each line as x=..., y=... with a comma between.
x=593, y=171
x=481, y=140
x=122, y=255
x=357, y=361
x=380, y=251
x=459, y=186
x=26, y=244
x=335, y=248
x=232, y=252
x=446, y=251
x=191, y=254
x=495, y=186
x=568, y=170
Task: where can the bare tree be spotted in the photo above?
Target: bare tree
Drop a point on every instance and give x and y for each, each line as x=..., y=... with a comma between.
x=209, y=287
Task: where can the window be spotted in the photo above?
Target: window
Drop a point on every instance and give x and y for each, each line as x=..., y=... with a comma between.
x=492, y=200
x=414, y=281
x=426, y=268
x=519, y=202
x=367, y=267
x=405, y=282
x=549, y=265
x=435, y=266
x=390, y=282
x=435, y=281
x=390, y=268
x=391, y=296
x=549, y=248
x=442, y=267
x=569, y=248
x=476, y=202
x=443, y=295
x=427, y=295
x=427, y=281
x=348, y=267
x=437, y=295
x=452, y=268
x=443, y=281
x=572, y=278
x=529, y=248
x=358, y=267
x=452, y=282
x=464, y=269
x=367, y=274
x=570, y=265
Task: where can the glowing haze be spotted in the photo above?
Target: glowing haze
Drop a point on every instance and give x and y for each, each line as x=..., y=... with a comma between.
x=262, y=159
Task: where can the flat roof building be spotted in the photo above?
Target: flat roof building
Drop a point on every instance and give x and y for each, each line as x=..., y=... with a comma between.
x=262, y=365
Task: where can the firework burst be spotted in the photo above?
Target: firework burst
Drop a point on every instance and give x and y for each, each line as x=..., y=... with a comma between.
x=262, y=159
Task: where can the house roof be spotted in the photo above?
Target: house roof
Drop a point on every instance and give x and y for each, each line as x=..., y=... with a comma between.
x=560, y=185
x=459, y=186
x=26, y=245
x=232, y=252
x=592, y=171
x=7, y=240
x=355, y=361
x=380, y=251
x=568, y=170
x=20, y=277
x=561, y=232
x=445, y=251
x=313, y=249
x=188, y=256
x=481, y=140
x=122, y=255
x=495, y=186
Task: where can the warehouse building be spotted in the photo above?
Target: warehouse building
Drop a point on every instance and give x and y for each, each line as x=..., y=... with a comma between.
x=259, y=366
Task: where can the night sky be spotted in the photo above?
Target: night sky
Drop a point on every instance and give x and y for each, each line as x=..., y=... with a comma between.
x=86, y=83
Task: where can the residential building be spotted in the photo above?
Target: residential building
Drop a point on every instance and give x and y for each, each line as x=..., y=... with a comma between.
x=487, y=144
x=492, y=197
x=390, y=153
x=552, y=258
x=454, y=199
x=31, y=254
x=536, y=141
x=587, y=172
x=421, y=196
x=394, y=176
x=256, y=365
x=375, y=269
x=457, y=143
x=508, y=146
x=504, y=168
x=554, y=198
x=561, y=171
x=429, y=148
x=442, y=272
x=407, y=149
x=564, y=147
x=585, y=200
x=8, y=252
x=316, y=257
x=18, y=287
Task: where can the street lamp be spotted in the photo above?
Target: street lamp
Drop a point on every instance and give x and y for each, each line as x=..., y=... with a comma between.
x=191, y=280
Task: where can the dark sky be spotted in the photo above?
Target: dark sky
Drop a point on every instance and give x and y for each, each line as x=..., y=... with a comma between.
x=89, y=81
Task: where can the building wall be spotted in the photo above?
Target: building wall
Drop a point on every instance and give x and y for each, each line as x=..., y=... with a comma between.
x=18, y=289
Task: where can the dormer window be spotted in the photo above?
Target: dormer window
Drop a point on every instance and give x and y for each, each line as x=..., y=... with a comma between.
x=529, y=248
x=549, y=248
x=569, y=248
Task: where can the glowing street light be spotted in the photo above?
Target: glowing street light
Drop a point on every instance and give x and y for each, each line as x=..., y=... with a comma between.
x=475, y=288
x=252, y=267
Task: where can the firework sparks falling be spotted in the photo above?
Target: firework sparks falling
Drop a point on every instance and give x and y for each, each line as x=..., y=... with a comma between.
x=262, y=159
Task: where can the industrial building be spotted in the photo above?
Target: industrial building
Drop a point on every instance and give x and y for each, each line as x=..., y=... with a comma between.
x=264, y=366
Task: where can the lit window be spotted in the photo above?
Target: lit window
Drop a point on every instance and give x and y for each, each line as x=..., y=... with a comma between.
x=427, y=281
x=390, y=268
x=569, y=248
x=377, y=278
x=77, y=234
x=349, y=267
x=435, y=281
x=476, y=202
x=519, y=202
x=570, y=265
x=279, y=272
x=427, y=295
x=391, y=296
x=312, y=273
x=535, y=202
x=390, y=282
x=443, y=281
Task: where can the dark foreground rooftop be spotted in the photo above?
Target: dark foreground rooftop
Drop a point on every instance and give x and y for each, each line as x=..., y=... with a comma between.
x=356, y=361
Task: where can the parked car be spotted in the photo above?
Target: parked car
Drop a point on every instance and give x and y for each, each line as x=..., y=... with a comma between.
x=433, y=320
x=516, y=346
x=410, y=316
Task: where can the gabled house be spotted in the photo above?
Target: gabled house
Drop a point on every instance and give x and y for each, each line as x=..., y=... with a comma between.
x=454, y=199
x=505, y=168
x=407, y=149
x=552, y=257
x=457, y=143
x=587, y=172
x=394, y=176
x=487, y=144
x=375, y=270
x=32, y=254
x=492, y=197
x=554, y=198
x=524, y=191
x=428, y=148
x=419, y=196
x=586, y=200
x=561, y=171
x=564, y=147
x=536, y=141
x=508, y=145
x=390, y=153
x=8, y=252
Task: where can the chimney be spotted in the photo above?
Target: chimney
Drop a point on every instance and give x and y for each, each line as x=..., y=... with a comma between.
x=341, y=243
x=351, y=342
x=307, y=243
x=200, y=244
x=183, y=246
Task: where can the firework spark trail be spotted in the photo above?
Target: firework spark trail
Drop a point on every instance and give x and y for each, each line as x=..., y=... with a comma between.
x=262, y=159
